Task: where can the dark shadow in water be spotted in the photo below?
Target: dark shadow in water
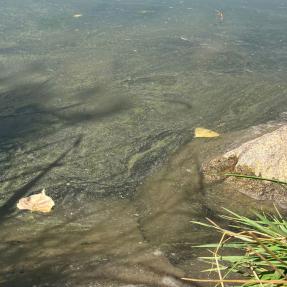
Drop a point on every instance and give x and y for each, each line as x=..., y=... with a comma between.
x=76, y=117
x=27, y=115
x=48, y=145
x=33, y=170
x=8, y=206
x=56, y=257
x=60, y=256
x=33, y=109
x=22, y=113
x=25, y=111
x=194, y=194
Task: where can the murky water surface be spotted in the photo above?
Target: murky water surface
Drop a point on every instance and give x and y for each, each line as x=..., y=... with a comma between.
x=98, y=102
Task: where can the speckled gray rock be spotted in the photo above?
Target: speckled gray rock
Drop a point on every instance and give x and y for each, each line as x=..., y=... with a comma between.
x=264, y=156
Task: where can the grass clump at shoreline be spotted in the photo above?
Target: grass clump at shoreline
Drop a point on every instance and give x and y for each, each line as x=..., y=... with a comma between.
x=255, y=177
x=262, y=247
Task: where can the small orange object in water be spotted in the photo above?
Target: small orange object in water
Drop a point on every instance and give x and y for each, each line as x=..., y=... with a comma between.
x=37, y=202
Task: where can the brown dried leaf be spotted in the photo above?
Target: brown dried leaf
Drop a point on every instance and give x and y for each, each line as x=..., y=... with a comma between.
x=36, y=202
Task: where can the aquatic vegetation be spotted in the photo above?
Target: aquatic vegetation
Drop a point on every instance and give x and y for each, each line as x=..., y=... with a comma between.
x=255, y=177
x=262, y=246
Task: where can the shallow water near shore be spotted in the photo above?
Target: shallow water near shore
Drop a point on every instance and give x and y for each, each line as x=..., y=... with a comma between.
x=98, y=103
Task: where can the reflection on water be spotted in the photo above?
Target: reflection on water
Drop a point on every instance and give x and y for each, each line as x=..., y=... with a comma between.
x=93, y=108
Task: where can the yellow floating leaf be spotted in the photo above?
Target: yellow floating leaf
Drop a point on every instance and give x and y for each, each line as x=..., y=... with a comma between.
x=205, y=133
x=36, y=202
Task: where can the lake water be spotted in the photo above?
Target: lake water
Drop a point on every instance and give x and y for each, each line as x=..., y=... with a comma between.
x=98, y=102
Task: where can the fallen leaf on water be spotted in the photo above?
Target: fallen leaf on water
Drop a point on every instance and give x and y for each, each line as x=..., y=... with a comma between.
x=36, y=202
x=205, y=133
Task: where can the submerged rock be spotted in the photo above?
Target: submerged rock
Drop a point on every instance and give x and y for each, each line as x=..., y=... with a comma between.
x=264, y=156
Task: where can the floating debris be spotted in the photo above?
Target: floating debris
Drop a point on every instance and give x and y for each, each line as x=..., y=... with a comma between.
x=77, y=15
x=205, y=133
x=183, y=38
x=143, y=12
x=220, y=15
x=37, y=202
